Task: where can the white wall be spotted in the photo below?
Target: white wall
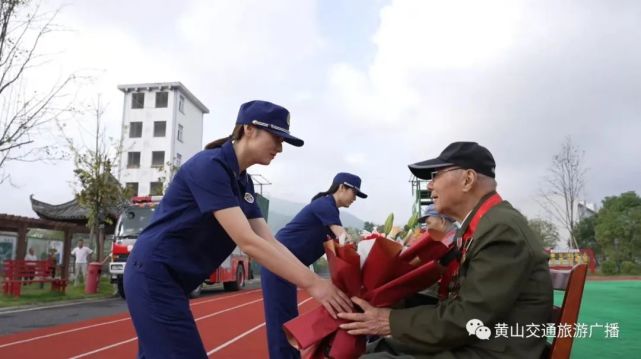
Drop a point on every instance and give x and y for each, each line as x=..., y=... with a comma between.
x=192, y=136
x=192, y=122
x=147, y=143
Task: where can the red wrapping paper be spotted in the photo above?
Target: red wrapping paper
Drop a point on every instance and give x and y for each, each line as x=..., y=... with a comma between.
x=425, y=248
x=388, y=276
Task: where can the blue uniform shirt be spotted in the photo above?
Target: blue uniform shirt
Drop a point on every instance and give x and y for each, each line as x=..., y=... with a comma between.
x=184, y=234
x=305, y=234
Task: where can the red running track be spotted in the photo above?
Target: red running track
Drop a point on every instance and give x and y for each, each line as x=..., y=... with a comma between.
x=230, y=325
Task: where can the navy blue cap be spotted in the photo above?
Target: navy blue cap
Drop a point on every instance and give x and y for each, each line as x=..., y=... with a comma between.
x=467, y=155
x=351, y=181
x=430, y=211
x=269, y=117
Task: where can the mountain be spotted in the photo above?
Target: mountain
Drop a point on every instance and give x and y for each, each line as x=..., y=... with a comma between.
x=282, y=211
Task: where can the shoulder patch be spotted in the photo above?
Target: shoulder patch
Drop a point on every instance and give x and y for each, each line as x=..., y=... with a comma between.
x=249, y=198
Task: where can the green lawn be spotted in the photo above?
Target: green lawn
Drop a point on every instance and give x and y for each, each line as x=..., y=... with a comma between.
x=609, y=302
x=33, y=294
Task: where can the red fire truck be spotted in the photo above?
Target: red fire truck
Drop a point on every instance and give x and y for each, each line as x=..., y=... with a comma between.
x=232, y=273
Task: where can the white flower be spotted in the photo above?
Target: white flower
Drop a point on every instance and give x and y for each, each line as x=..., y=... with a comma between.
x=363, y=249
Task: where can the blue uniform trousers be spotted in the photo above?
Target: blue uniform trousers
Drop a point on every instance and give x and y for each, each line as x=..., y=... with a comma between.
x=280, y=306
x=160, y=312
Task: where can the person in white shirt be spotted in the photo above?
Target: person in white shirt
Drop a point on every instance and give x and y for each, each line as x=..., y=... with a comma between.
x=81, y=253
x=31, y=256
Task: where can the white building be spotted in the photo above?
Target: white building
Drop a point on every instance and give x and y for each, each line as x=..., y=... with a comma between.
x=586, y=209
x=162, y=127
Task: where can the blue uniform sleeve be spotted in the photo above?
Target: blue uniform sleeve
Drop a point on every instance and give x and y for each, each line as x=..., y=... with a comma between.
x=210, y=184
x=326, y=211
x=252, y=210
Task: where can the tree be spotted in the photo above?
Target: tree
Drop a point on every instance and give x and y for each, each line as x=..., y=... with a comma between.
x=99, y=191
x=369, y=226
x=584, y=233
x=546, y=230
x=618, y=228
x=26, y=114
x=562, y=187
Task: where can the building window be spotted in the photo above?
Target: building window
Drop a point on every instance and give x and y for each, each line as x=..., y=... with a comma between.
x=181, y=104
x=138, y=100
x=179, y=159
x=132, y=188
x=133, y=159
x=155, y=188
x=157, y=158
x=160, y=127
x=161, y=99
x=180, y=133
x=135, y=129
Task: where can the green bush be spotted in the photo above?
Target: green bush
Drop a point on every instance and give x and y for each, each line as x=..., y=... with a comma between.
x=609, y=267
x=629, y=267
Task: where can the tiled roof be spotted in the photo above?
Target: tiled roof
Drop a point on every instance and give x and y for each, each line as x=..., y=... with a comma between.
x=68, y=211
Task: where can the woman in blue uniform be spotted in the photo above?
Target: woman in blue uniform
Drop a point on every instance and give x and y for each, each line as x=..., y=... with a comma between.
x=208, y=209
x=304, y=237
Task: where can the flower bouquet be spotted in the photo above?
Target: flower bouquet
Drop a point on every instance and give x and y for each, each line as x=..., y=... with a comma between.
x=387, y=275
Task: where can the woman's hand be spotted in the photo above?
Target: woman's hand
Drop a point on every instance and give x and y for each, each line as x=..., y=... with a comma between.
x=332, y=298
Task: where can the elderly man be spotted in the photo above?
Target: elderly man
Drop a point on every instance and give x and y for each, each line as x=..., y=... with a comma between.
x=500, y=278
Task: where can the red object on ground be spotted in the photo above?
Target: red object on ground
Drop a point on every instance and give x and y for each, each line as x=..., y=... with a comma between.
x=93, y=277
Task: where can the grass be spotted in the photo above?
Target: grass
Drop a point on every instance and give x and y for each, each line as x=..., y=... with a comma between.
x=33, y=294
x=609, y=302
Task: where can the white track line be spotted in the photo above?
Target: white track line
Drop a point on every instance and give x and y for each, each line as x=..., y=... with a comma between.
x=60, y=333
x=56, y=306
x=228, y=309
x=106, y=348
x=225, y=297
x=134, y=338
x=237, y=338
x=110, y=322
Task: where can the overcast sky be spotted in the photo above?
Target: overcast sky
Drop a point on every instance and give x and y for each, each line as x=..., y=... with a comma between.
x=372, y=86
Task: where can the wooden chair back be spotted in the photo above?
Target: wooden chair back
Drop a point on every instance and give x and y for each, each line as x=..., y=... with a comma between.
x=572, y=282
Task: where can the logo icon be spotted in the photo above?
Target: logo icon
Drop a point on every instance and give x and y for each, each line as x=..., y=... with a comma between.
x=477, y=328
x=249, y=198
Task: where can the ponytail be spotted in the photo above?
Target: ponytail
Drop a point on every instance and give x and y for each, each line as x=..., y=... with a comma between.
x=236, y=135
x=331, y=190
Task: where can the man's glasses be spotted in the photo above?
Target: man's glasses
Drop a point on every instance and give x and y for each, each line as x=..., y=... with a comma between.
x=435, y=174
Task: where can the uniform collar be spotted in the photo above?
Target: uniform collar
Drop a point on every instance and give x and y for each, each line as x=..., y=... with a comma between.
x=230, y=158
x=332, y=199
x=460, y=224
x=472, y=213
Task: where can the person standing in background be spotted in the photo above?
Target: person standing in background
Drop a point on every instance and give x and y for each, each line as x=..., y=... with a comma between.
x=82, y=254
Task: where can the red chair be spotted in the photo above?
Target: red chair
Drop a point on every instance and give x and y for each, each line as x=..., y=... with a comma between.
x=572, y=282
